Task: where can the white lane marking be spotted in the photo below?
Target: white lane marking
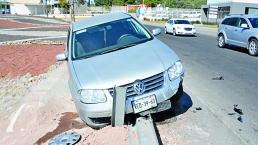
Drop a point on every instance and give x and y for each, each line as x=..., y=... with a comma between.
x=11, y=125
x=31, y=39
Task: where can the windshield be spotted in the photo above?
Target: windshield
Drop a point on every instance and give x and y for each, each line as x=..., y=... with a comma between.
x=108, y=37
x=254, y=22
x=182, y=22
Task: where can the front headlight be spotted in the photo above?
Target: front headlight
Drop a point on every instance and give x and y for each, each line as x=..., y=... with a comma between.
x=92, y=96
x=179, y=27
x=175, y=70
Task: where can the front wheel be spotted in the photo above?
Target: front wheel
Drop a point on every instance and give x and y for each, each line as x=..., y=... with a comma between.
x=174, y=32
x=221, y=41
x=253, y=47
x=93, y=125
x=165, y=30
x=178, y=94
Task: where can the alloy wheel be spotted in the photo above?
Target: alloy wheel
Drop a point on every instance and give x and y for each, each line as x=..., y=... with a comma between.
x=253, y=47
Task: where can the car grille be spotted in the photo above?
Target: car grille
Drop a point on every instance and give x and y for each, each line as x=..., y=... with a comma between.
x=151, y=84
x=188, y=29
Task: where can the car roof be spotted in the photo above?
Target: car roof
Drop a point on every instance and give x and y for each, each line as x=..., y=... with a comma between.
x=242, y=16
x=96, y=20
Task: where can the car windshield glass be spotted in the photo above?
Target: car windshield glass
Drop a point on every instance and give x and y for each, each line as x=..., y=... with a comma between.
x=182, y=22
x=254, y=22
x=108, y=37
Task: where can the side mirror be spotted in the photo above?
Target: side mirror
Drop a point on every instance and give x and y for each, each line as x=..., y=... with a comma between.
x=61, y=57
x=156, y=31
x=245, y=26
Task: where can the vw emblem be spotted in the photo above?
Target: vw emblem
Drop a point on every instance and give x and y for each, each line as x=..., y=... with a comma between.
x=139, y=87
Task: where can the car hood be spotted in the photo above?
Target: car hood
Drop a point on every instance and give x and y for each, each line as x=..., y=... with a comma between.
x=185, y=25
x=124, y=66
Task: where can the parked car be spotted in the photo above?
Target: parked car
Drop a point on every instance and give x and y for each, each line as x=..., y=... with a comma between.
x=116, y=50
x=239, y=30
x=179, y=27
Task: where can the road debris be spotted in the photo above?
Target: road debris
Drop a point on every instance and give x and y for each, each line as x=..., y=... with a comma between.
x=231, y=114
x=218, y=76
x=238, y=110
x=65, y=138
x=198, y=108
x=240, y=119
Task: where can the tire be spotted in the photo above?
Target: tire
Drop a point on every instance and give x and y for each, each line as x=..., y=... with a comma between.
x=94, y=125
x=165, y=30
x=174, y=32
x=178, y=94
x=253, y=47
x=221, y=41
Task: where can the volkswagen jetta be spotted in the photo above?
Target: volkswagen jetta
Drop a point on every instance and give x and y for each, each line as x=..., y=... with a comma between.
x=116, y=50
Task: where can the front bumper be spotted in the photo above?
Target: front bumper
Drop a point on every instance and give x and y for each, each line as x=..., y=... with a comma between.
x=184, y=32
x=101, y=110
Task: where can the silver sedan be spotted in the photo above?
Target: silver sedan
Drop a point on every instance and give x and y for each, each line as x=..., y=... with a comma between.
x=116, y=50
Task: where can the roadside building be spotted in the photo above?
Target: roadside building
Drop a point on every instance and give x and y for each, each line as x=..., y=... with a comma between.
x=27, y=7
x=216, y=10
x=4, y=7
x=30, y=7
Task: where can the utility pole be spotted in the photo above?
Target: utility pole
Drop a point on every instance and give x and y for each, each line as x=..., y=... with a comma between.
x=72, y=10
x=46, y=8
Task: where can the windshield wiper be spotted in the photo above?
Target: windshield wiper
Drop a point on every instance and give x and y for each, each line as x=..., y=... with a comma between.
x=106, y=51
x=118, y=48
x=87, y=56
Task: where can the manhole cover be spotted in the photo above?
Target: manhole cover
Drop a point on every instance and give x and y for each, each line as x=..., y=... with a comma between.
x=66, y=138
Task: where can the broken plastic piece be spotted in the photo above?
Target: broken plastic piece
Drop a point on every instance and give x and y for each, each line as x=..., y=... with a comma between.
x=237, y=110
x=218, y=77
x=240, y=119
x=231, y=113
x=198, y=108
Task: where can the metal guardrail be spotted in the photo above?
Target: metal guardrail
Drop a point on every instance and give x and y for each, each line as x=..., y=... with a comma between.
x=143, y=132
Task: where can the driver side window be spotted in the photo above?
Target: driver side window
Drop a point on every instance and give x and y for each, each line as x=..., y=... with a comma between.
x=243, y=21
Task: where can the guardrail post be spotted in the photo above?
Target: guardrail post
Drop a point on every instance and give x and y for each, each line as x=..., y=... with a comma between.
x=118, y=109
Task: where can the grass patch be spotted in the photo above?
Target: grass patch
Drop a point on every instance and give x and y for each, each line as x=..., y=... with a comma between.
x=210, y=26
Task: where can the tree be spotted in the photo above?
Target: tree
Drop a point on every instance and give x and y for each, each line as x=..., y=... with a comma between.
x=103, y=2
x=118, y=2
x=63, y=4
x=80, y=2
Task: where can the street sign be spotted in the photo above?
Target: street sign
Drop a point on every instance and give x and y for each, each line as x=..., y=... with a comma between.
x=213, y=12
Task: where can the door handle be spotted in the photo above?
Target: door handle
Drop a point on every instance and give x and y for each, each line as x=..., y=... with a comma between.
x=235, y=29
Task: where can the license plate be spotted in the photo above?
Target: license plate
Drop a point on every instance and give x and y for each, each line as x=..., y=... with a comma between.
x=143, y=104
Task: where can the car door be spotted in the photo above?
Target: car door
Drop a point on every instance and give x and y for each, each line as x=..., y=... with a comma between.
x=240, y=35
x=230, y=28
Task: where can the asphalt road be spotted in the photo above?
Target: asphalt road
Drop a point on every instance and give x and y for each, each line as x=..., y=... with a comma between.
x=203, y=60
